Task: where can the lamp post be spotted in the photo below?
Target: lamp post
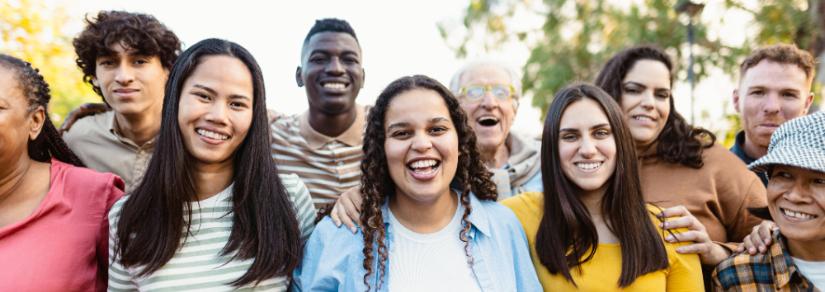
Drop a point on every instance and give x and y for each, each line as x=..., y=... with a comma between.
x=691, y=9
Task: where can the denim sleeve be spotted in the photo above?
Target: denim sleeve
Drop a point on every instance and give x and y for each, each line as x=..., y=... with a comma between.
x=324, y=266
x=526, y=277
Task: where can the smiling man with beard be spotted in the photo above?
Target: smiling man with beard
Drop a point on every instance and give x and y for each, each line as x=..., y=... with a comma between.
x=323, y=145
x=774, y=87
x=489, y=93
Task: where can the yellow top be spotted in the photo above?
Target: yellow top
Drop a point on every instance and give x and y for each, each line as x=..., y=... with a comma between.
x=601, y=273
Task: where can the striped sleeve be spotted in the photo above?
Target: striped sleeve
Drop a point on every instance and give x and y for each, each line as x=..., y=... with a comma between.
x=119, y=277
x=304, y=208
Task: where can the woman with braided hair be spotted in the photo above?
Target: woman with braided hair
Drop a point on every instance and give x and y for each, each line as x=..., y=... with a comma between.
x=431, y=220
x=52, y=211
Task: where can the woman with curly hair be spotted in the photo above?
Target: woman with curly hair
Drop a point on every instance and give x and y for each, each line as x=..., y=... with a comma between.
x=681, y=166
x=429, y=212
x=52, y=211
x=590, y=230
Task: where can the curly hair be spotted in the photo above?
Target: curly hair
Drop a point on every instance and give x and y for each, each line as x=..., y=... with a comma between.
x=679, y=142
x=48, y=143
x=140, y=32
x=377, y=185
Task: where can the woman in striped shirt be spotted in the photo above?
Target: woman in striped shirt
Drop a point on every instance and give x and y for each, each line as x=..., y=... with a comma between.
x=211, y=212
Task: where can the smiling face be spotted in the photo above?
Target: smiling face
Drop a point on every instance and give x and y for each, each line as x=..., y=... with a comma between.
x=215, y=110
x=489, y=116
x=587, y=149
x=646, y=100
x=421, y=145
x=796, y=200
x=770, y=94
x=18, y=123
x=331, y=72
x=131, y=83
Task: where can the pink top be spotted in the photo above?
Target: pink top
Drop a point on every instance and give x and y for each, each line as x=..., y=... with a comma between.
x=62, y=245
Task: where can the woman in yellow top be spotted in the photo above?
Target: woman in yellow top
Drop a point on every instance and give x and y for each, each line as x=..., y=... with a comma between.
x=593, y=232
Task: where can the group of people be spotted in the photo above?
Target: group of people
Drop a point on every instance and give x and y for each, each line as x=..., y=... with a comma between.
x=183, y=180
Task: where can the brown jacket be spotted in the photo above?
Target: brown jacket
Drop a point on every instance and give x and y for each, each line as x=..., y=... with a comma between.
x=718, y=194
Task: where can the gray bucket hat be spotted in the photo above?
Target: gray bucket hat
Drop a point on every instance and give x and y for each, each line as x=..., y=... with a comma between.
x=799, y=142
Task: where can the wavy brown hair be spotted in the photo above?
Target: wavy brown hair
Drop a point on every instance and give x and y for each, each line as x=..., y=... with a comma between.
x=377, y=185
x=140, y=32
x=567, y=237
x=679, y=142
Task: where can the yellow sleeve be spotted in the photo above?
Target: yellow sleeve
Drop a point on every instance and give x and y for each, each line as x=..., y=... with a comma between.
x=685, y=270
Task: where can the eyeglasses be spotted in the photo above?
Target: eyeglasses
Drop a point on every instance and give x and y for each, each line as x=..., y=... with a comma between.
x=476, y=92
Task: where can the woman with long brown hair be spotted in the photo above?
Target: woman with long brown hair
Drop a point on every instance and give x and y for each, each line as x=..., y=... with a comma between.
x=590, y=230
x=681, y=166
x=431, y=220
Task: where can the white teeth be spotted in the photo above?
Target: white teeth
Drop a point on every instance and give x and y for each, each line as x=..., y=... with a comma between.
x=588, y=166
x=640, y=118
x=423, y=163
x=798, y=215
x=212, y=135
x=333, y=85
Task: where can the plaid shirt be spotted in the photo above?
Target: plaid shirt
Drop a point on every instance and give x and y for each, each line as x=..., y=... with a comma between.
x=774, y=271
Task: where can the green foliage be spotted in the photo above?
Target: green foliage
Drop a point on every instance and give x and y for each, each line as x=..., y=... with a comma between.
x=31, y=31
x=578, y=36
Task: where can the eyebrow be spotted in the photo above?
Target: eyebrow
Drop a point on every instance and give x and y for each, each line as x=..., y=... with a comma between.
x=213, y=92
x=405, y=124
x=602, y=125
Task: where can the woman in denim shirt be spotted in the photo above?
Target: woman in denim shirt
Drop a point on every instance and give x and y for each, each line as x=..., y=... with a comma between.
x=431, y=221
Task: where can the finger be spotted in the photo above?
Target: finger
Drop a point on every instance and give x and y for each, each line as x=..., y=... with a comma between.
x=352, y=215
x=677, y=222
x=697, y=248
x=747, y=244
x=346, y=220
x=334, y=215
x=764, y=232
x=688, y=236
x=675, y=211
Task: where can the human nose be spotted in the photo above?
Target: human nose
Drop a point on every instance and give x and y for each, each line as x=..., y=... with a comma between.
x=217, y=113
x=124, y=74
x=488, y=100
x=334, y=66
x=798, y=193
x=587, y=148
x=421, y=143
x=772, y=104
x=647, y=100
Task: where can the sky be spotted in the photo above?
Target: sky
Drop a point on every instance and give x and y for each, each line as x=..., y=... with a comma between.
x=398, y=38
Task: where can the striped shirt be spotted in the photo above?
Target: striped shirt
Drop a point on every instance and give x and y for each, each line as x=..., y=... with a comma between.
x=328, y=165
x=198, y=264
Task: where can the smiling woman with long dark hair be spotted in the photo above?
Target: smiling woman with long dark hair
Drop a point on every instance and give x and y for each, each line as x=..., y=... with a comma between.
x=211, y=211
x=590, y=230
x=431, y=220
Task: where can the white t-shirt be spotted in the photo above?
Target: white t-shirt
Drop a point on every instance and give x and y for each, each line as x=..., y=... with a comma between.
x=429, y=262
x=814, y=271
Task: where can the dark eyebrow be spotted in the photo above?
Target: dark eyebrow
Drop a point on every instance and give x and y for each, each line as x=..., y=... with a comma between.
x=568, y=130
x=398, y=125
x=634, y=83
x=204, y=87
x=602, y=125
x=439, y=119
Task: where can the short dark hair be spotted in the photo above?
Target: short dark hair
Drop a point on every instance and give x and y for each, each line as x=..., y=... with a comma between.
x=782, y=54
x=330, y=25
x=48, y=144
x=138, y=31
x=679, y=142
x=154, y=218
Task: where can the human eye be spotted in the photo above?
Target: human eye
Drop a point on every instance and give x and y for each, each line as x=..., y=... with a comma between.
x=782, y=174
x=664, y=94
x=202, y=96
x=569, y=137
x=632, y=89
x=400, y=134
x=317, y=59
x=602, y=133
x=238, y=105
x=789, y=95
x=501, y=92
x=474, y=92
x=351, y=59
x=438, y=130
x=106, y=62
x=757, y=92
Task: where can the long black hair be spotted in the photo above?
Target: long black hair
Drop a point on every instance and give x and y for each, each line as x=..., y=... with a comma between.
x=264, y=226
x=567, y=237
x=377, y=185
x=679, y=142
x=48, y=143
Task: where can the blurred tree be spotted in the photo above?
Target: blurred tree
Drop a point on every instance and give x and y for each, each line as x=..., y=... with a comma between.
x=576, y=37
x=34, y=32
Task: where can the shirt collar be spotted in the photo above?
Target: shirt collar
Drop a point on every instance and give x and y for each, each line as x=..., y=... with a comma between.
x=479, y=219
x=353, y=136
x=739, y=150
x=115, y=130
x=785, y=272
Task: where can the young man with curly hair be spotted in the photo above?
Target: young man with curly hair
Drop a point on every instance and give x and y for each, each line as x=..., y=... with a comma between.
x=126, y=57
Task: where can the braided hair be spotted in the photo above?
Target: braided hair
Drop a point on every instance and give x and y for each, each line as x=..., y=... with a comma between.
x=48, y=143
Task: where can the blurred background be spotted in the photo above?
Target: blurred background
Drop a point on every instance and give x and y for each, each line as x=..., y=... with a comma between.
x=552, y=42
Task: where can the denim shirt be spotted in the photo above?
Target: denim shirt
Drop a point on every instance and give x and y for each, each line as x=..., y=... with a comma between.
x=333, y=257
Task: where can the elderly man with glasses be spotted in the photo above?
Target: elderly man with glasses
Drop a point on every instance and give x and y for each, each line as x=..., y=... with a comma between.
x=489, y=93
x=795, y=261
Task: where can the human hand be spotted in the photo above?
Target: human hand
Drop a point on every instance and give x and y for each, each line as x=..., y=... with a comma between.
x=86, y=109
x=677, y=217
x=759, y=239
x=347, y=209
